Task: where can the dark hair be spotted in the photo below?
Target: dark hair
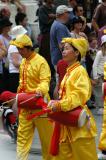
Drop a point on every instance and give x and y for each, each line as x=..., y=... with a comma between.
x=77, y=20
x=30, y=48
x=92, y=36
x=19, y=18
x=76, y=8
x=79, y=56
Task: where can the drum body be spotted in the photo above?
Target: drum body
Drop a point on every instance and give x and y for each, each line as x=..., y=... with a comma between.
x=75, y=118
x=29, y=101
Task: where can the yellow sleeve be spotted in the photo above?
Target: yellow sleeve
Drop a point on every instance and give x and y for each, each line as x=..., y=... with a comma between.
x=78, y=91
x=45, y=77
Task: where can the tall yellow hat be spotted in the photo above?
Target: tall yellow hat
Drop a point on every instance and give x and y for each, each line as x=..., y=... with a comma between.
x=81, y=44
x=21, y=41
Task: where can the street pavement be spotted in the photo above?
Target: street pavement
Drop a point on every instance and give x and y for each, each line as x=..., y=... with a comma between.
x=8, y=149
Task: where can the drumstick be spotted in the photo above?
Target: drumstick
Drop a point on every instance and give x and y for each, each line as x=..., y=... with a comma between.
x=35, y=115
x=6, y=102
x=28, y=100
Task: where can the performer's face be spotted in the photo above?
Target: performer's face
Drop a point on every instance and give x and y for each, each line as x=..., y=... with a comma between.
x=24, y=52
x=69, y=54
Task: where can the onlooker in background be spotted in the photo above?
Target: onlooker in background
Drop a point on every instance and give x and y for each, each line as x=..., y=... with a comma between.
x=5, y=26
x=71, y=4
x=77, y=27
x=14, y=59
x=46, y=18
x=17, y=3
x=89, y=60
x=5, y=12
x=98, y=74
x=79, y=12
x=91, y=54
x=101, y=32
x=21, y=19
x=58, y=32
x=99, y=17
x=40, y=3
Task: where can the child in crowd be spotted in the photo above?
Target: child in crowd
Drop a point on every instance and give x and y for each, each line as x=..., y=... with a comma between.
x=98, y=73
x=89, y=60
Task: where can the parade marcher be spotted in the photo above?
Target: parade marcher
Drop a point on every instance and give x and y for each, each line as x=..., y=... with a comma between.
x=34, y=78
x=102, y=141
x=98, y=73
x=75, y=90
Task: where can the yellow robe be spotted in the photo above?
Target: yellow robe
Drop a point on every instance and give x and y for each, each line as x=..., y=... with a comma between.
x=76, y=143
x=34, y=76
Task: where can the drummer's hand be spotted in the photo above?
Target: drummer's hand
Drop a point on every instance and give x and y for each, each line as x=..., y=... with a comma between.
x=54, y=105
x=38, y=94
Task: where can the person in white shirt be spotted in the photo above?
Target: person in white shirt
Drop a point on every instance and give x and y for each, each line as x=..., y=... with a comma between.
x=14, y=59
x=98, y=73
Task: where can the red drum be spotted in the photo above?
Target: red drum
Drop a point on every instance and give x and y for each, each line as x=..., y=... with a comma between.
x=75, y=118
x=29, y=101
x=104, y=88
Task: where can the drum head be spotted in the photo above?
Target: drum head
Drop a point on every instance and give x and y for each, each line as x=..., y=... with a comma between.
x=82, y=118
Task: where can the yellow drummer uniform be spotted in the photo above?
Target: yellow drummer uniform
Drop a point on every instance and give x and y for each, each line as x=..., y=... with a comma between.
x=34, y=77
x=75, y=90
x=102, y=141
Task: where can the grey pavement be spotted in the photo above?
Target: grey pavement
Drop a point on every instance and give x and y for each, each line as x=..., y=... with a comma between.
x=8, y=150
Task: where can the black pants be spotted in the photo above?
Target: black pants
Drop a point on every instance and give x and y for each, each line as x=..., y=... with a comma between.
x=13, y=82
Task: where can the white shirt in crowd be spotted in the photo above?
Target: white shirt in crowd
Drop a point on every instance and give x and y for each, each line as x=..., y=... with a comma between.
x=13, y=49
x=98, y=65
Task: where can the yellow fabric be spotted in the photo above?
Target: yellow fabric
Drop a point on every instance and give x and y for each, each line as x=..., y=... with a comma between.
x=75, y=91
x=34, y=76
x=82, y=149
x=21, y=41
x=102, y=141
x=81, y=44
x=26, y=134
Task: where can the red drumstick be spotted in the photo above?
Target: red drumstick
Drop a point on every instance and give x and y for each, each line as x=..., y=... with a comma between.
x=35, y=115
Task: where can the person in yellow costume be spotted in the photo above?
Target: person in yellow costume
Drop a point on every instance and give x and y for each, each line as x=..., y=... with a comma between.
x=102, y=141
x=75, y=90
x=34, y=78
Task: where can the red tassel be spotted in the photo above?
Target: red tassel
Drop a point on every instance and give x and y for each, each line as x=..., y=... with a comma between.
x=54, y=146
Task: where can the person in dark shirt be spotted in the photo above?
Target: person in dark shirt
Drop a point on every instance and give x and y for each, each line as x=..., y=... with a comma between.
x=99, y=18
x=46, y=17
